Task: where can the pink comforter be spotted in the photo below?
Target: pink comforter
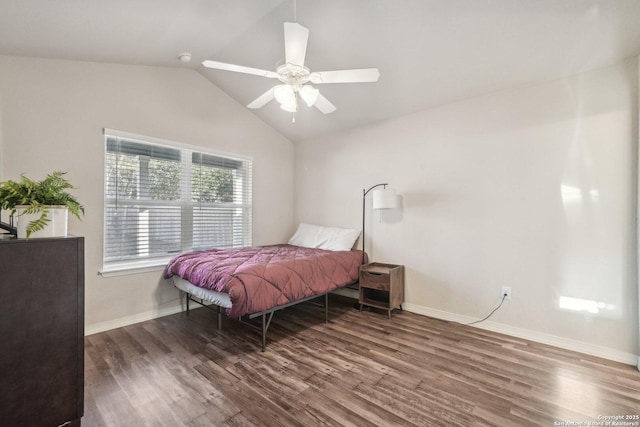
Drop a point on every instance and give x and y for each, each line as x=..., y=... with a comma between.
x=264, y=277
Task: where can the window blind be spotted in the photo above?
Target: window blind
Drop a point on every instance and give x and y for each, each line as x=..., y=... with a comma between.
x=164, y=198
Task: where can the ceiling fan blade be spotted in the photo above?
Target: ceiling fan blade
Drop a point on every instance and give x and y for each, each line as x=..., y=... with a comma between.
x=363, y=75
x=239, y=69
x=295, y=43
x=263, y=99
x=324, y=105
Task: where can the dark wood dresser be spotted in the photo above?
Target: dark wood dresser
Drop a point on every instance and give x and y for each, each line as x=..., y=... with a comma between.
x=42, y=331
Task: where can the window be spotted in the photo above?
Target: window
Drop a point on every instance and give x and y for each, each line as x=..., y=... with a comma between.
x=163, y=198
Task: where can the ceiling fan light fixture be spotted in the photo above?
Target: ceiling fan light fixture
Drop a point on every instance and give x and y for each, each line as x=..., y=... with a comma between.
x=286, y=97
x=291, y=108
x=309, y=94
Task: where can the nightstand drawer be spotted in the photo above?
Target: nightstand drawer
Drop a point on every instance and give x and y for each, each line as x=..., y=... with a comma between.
x=373, y=280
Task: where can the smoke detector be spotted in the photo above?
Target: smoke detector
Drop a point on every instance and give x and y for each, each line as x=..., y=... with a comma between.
x=185, y=57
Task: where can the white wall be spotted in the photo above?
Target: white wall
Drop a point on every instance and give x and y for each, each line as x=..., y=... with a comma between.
x=52, y=113
x=532, y=188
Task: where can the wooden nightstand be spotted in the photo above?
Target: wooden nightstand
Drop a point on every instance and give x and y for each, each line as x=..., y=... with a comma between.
x=382, y=286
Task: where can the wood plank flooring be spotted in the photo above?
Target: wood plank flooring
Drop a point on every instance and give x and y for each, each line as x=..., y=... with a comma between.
x=359, y=370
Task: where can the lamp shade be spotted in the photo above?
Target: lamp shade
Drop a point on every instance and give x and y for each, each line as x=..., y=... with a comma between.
x=384, y=198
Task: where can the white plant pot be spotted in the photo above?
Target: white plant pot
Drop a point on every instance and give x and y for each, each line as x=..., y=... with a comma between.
x=57, y=226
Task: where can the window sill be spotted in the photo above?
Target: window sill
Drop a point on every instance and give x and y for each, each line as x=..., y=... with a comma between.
x=134, y=268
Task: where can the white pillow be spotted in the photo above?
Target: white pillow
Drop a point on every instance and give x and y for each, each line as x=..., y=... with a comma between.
x=329, y=238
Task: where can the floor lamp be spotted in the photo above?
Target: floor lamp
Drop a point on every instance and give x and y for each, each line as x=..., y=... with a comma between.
x=383, y=198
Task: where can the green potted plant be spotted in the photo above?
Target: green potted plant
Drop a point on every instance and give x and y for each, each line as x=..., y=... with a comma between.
x=41, y=206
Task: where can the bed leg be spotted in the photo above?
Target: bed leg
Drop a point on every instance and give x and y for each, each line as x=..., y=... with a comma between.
x=264, y=331
x=219, y=318
x=326, y=308
x=187, y=298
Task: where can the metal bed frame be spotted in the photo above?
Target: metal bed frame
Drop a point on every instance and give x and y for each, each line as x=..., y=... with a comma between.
x=266, y=320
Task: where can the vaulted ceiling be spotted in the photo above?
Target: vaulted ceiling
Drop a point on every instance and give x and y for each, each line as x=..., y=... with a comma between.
x=429, y=52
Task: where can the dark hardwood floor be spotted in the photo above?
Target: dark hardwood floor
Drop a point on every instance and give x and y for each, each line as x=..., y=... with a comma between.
x=360, y=369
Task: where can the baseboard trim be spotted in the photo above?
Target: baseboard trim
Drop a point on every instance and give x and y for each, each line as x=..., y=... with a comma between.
x=556, y=341
x=130, y=320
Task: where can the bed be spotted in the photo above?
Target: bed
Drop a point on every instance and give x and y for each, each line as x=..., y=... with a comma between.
x=253, y=282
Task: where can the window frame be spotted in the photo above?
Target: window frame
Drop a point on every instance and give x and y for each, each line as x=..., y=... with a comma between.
x=188, y=154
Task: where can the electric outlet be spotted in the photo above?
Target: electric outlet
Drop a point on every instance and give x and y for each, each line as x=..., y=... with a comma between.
x=506, y=290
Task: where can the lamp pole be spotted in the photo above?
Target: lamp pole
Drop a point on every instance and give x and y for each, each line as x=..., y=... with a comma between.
x=364, y=195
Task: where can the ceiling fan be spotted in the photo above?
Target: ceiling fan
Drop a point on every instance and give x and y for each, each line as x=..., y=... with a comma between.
x=295, y=78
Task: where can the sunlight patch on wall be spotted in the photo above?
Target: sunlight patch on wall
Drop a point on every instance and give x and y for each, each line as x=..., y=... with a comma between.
x=571, y=194
x=584, y=305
